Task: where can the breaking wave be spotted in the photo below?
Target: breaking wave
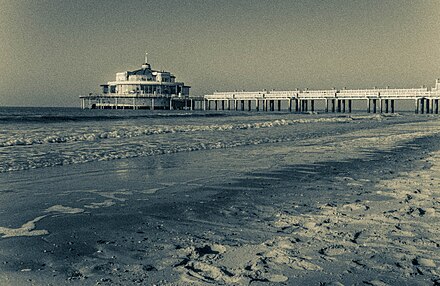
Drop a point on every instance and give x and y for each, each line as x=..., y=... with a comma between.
x=43, y=145
x=136, y=131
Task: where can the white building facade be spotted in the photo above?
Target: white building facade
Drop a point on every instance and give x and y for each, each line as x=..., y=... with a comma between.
x=143, y=88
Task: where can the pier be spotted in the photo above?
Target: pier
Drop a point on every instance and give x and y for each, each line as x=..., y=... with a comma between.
x=377, y=100
x=141, y=101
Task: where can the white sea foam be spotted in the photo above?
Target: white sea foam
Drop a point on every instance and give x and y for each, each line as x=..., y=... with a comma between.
x=104, y=204
x=46, y=146
x=63, y=136
x=27, y=229
x=63, y=209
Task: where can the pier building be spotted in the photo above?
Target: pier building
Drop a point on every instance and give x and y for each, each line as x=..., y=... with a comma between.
x=381, y=100
x=143, y=88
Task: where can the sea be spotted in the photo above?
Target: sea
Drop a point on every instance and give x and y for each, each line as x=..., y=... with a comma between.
x=35, y=137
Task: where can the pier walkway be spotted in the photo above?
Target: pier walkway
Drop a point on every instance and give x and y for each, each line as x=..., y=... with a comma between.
x=381, y=100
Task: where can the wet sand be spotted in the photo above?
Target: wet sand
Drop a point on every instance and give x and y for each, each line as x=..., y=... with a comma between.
x=348, y=206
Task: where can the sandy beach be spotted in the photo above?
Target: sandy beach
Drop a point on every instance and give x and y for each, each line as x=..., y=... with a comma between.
x=349, y=202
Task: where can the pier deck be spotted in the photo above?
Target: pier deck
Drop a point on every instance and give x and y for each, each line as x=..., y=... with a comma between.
x=377, y=100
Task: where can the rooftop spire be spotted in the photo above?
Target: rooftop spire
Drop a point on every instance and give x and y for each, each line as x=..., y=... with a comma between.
x=146, y=65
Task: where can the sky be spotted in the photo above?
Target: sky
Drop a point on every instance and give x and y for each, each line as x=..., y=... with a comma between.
x=52, y=51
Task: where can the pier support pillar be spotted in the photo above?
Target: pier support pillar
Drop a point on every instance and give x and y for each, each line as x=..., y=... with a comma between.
x=296, y=105
x=339, y=105
x=249, y=105
x=392, y=105
x=242, y=105
x=380, y=105
x=349, y=105
x=326, y=104
x=374, y=105
x=290, y=105
x=257, y=105
x=417, y=105
x=215, y=104
x=436, y=106
x=368, y=105
x=386, y=106
x=427, y=106
x=343, y=105
x=333, y=105
x=312, y=105
x=152, y=104
x=279, y=105
x=422, y=105
x=272, y=105
x=223, y=105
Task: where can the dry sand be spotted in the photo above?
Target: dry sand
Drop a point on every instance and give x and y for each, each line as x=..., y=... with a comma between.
x=353, y=208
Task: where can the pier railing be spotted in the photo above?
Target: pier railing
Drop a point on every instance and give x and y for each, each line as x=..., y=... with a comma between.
x=378, y=99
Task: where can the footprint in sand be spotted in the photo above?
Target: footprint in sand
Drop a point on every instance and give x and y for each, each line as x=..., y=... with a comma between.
x=424, y=262
x=355, y=207
x=209, y=273
x=333, y=250
x=376, y=283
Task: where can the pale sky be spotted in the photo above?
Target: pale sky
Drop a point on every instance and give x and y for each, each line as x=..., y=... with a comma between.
x=52, y=51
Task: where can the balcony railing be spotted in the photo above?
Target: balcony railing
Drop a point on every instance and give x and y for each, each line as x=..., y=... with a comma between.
x=132, y=95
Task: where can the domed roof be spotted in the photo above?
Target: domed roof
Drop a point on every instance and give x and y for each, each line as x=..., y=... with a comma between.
x=142, y=71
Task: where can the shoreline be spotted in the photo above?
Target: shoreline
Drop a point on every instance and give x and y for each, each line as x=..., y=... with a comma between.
x=220, y=225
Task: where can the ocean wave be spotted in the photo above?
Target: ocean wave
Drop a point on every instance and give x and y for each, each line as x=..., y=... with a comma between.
x=139, y=141
x=137, y=131
x=91, y=156
x=83, y=153
x=35, y=118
